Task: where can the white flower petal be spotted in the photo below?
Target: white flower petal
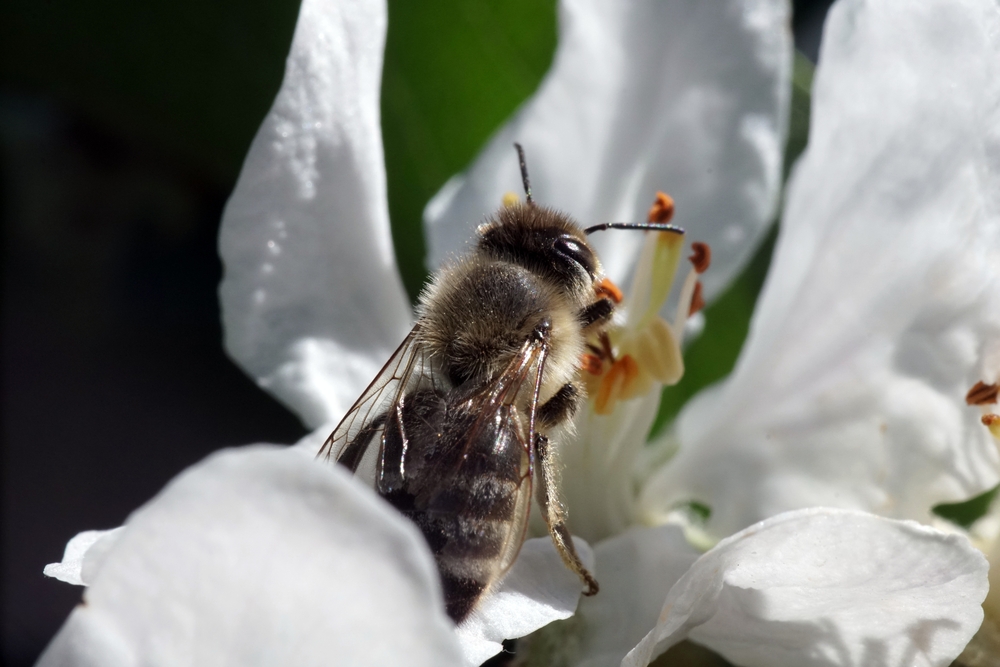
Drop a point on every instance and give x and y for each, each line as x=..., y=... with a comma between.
x=538, y=590
x=686, y=97
x=598, y=486
x=883, y=303
x=261, y=556
x=312, y=302
x=636, y=571
x=83, y=556
x=827, y=587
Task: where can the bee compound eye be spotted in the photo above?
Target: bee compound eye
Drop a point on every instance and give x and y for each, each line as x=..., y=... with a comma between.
x=571, y=248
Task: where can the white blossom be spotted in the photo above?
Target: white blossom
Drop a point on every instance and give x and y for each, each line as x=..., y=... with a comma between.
x=880, y=305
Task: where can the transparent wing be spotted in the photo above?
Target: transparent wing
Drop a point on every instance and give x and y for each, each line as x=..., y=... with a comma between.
x=364, y=424
x=507, y=408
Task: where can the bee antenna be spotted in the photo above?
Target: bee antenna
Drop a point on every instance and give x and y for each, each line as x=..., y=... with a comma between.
x=654, y=226
x=524, y=174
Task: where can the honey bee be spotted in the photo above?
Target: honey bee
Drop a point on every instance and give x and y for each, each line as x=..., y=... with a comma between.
x=455, y=429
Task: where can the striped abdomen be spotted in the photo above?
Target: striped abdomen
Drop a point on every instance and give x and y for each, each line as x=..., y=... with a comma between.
x=460, y=478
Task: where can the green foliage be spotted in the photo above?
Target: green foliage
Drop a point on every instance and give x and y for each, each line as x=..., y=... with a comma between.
x=699, y=511
x=188, y=79
x=966, y=513
x=454, y=72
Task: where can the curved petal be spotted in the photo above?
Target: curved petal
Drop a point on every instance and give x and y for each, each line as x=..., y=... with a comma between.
x=84, y=556
x=538, y=590
x=261, y=556
x=312, y=303
x=636, y=571
x=882, y=307
x=827, y=587
x=686, y=97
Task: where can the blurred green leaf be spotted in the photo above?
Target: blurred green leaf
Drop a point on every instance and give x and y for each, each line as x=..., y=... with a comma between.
x=191, y=79
x=454, y=72
x=966, y=513
x=712, y=355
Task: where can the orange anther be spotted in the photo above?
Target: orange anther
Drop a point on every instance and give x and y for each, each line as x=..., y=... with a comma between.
x=701, y=256
x=591, y=363
x=621, y=373
x=662, y=209
x=610, y=290
x=991, y=419
x=982, y=394
x=630, y=367
x=697, y=300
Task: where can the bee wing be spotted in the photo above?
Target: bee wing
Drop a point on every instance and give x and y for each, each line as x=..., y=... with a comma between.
x=500, y=416
x=364, y=423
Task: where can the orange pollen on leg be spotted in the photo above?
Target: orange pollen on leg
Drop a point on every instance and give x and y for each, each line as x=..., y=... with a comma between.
x=697, y=300
x=662, y=209
x=982, y=393
x=591, y=363
x=701, y=256
x=610, y=290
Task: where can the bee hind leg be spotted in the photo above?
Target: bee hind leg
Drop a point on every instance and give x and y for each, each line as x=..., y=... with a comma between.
x=555, y=516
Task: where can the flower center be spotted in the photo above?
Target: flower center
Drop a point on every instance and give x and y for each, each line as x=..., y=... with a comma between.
x=629, y=359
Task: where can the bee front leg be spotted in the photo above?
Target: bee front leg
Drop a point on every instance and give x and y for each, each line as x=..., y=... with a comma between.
x=599, y=311
x=555, y=516
x=560, y=407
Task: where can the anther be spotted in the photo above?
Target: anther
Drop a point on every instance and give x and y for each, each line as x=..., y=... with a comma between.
x=701, y=256
x=591, y=363
x=615, y=385
x=610, y=290
x=662, y=209
x=697, y=300
x=992, y=422
x=982, y=394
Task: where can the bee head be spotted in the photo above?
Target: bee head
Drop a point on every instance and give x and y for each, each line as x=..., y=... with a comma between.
x=544, y=241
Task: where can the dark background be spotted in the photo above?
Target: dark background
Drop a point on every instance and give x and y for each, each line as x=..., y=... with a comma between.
x=122, y=129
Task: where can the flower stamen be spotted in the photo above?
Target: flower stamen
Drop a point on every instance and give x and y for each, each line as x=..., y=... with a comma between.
x=992, y=422
x=591, y=363
x=697, y=300
x=619, y=380
x=691, y=300
x=982, y=394
x=608, y=289
x=662, y=209
x=629, y=359
x=701, y=256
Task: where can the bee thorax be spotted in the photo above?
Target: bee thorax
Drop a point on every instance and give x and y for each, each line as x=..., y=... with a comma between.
x=476, y=316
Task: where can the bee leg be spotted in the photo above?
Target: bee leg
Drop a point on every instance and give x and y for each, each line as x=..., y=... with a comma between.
x=599, y=311
x=555, y=516
x=560, y=407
